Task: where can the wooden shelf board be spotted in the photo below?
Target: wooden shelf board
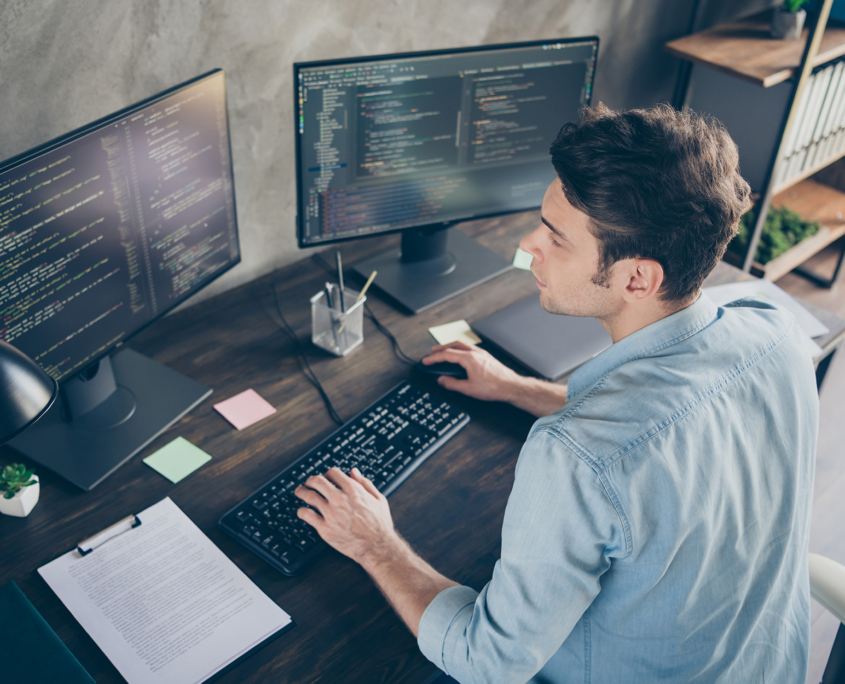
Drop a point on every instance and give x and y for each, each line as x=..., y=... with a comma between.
x=813, y=202
x=745, y=49
x=806, y=174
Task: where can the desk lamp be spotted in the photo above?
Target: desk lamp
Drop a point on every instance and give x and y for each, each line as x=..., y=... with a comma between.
x=26, y=392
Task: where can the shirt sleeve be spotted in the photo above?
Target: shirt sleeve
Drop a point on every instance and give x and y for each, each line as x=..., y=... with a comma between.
x=560, y=532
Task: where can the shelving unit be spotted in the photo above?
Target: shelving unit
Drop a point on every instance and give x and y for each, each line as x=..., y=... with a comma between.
x=744, y=50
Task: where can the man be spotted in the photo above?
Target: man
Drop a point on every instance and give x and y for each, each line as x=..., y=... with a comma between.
x=658, y=525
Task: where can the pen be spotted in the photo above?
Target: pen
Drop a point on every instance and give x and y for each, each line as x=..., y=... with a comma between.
x=366, y=285
x=329, y=299
x=340, y=279
x=361, y=295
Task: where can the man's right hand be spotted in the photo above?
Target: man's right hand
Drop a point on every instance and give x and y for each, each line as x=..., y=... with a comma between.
x=491, y=380
x=487, y=378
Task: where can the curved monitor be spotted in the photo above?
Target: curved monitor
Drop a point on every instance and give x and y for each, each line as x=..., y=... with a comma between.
x=109, y=227
x=417, y=140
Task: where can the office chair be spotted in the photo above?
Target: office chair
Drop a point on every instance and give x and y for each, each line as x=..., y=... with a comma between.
x=827, y=586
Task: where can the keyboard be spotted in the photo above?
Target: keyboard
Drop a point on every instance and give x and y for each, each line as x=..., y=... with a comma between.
x=386, y=441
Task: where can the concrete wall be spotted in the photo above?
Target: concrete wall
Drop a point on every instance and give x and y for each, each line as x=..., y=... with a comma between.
x=64, y=63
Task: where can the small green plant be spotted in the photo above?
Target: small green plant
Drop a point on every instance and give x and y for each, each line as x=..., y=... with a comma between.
x=793, y=5
x=783, y=229
x=13, y=478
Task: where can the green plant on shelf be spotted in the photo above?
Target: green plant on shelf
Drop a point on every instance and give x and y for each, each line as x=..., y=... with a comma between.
x=793, y=5
x=783, y=229
x=14, y=477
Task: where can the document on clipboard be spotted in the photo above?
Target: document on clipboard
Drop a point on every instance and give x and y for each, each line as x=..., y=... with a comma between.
x=162, y=601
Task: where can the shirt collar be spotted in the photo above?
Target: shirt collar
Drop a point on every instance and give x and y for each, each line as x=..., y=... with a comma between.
x=659, y=335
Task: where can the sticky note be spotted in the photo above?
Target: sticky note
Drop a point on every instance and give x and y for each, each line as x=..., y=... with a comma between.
x=452, y=332
x=522, y=260
x=177, y=459
x=244, y=409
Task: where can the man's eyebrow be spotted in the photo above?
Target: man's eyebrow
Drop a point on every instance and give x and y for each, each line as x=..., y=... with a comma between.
x=553, y=229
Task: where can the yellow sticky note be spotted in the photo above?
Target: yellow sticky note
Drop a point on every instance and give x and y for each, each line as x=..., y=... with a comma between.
x=453, y=332
x=522, y=260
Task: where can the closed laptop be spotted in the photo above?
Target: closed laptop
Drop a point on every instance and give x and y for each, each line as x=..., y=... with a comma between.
x=549, y=345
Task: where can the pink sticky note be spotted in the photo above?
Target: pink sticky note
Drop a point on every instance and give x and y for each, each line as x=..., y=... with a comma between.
x=244, y=409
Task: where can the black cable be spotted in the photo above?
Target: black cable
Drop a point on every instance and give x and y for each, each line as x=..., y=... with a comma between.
x=394, y=343
x=401, y=355
x=306, y=367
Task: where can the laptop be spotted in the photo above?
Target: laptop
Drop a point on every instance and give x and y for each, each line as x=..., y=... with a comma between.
x=549, y=345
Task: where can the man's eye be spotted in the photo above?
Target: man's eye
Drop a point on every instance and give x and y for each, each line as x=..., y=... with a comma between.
x=553, y=241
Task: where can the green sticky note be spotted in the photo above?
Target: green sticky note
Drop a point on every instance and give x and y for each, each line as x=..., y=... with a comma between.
x=522, y=260
x=177, y=459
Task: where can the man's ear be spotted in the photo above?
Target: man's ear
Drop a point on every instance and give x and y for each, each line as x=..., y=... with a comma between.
x=644, y=280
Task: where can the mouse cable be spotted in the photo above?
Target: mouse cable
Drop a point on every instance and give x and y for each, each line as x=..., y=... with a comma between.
x=306, y=367
x=383, y=329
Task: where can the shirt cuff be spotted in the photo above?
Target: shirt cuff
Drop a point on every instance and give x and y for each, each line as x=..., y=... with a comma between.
x=438, y=618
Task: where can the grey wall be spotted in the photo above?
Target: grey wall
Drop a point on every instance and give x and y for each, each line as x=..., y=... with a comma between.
x=64, y=63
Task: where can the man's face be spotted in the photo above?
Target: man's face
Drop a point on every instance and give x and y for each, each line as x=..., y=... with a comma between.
x=566, y=260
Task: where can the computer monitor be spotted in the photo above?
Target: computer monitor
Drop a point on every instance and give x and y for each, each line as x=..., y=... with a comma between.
x=417, y=142
x=103, y=231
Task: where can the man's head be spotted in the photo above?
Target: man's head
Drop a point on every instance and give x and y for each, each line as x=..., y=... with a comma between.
x=644, y=206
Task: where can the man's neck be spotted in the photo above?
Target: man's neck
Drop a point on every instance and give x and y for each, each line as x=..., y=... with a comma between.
x=633, y=317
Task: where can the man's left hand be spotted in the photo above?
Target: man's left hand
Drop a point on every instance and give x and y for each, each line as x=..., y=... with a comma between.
x=350, y=514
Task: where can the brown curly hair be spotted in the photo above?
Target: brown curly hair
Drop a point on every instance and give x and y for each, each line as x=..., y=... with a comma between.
x=657, y=184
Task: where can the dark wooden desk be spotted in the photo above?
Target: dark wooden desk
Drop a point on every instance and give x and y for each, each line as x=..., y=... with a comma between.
x=450, y=510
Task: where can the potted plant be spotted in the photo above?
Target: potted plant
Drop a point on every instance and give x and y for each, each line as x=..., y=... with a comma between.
x=788, y=21
x=20, y=490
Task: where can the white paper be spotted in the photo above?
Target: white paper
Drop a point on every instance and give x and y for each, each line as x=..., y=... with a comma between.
x=164, y=604
x=722, y=294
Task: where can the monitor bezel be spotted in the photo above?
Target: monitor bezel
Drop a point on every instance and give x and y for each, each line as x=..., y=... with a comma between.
x=297, y=66
x=77, y=133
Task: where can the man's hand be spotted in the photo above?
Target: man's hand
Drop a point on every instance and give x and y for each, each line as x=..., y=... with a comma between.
x=490, y=380
x=351, y=515
x=487, y=378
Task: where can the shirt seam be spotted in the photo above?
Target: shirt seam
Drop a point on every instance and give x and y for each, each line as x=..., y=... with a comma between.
x=609, y=491
x=445, y=634
x=717, y=387
x=587, y=647
x=680, y=337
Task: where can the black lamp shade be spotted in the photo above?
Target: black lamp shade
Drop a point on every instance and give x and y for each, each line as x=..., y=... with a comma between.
x=26, y=392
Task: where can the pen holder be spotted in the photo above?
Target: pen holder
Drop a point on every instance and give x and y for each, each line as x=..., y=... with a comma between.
x=335, y=331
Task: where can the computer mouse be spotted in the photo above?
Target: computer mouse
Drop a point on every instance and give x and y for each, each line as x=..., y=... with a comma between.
x=453, y=370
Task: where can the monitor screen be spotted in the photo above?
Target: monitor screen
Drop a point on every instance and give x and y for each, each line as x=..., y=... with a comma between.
x=109, y=227
x=401, y=141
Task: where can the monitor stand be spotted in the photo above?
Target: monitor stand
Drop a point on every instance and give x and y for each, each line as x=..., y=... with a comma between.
x=433, y=264
x=107, y=414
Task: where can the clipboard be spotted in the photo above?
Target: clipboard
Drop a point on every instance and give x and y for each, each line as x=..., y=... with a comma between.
x=163, y=603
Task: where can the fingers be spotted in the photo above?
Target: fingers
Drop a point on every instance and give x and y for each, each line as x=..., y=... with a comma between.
x=340, y=479
x=457, y=344
x=320, y=484
x=311, y=517
x=309, y=496
x=453, y=384
x=449, y=354
x=366, y=483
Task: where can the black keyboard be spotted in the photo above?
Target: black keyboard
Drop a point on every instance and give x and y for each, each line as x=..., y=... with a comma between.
x=386, y=442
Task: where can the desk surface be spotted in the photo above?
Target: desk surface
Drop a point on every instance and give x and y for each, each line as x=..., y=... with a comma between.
x=450, y=510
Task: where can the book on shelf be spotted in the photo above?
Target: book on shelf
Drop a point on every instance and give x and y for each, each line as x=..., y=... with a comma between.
x=817, y=134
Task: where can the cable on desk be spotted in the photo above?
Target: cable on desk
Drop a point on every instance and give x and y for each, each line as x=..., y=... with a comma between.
x=306, y=367
x=383, y=329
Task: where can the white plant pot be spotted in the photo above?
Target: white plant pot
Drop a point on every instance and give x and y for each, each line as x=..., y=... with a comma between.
x=23, y=502
x=788, y=25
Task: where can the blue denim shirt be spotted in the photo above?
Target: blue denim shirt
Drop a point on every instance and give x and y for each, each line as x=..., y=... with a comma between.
x=658, y=526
